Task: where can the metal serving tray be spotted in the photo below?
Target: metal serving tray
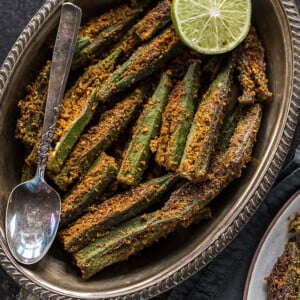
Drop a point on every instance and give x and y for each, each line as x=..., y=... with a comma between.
x=170, y=261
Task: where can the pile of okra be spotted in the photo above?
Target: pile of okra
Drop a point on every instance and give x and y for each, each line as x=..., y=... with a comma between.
x=149, y=132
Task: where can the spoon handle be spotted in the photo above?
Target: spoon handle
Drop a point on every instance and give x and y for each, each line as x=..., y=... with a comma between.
x=61, y=62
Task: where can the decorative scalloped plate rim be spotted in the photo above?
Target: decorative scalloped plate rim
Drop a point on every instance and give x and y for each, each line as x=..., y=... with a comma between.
x=238, y=221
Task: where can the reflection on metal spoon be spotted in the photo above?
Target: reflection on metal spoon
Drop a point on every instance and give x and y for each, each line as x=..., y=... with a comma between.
x=33, y=208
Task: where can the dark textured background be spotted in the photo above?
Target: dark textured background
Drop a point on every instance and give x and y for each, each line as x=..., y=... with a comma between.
x=225, y=276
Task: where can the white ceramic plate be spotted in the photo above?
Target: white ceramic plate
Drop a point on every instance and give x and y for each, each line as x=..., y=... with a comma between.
x=269, y=249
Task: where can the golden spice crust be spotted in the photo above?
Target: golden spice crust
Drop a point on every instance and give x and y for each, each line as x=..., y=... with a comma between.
x=113, y=16
x=109, y=125
x=159, y=47
x=98, y=214
x=243, y=140
x=147, y=24
x=75, y=99
x=86, y=192
x=282, y=283
x=252, y=68
x=173, y=114
x=31, y=108
x=205, y=128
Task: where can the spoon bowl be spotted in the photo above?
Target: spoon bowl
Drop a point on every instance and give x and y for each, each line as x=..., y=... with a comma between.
x=33, y=217
x=33, y=207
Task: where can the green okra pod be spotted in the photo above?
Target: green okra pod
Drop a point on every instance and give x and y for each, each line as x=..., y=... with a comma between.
x=115, y=210
x=77, y=109
x=230, y=160
x=185, y=206
x=204, y=131
x=144, y=30
x=242, y=142
x=252, y=70
x=156, y=19
x=93, y=184
x=32, y=109
x=142, y=63
x=102, y=32
x=126, y=240
x=228, y=127
x=177, y=119
x=138, y=152
x=100, y=137
x=210, y=70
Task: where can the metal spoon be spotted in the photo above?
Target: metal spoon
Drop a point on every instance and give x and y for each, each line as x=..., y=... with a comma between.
x=33, y=208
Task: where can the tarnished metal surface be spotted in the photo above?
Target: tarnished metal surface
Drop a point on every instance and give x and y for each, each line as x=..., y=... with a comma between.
x=175, y=259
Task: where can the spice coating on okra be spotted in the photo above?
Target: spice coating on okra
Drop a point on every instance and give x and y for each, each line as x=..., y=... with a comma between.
x=32, y=108
x=113, y=16
x=77, y=109
x=129, y=238
x=203, y=135
x=76, y=98
x=99, y=137
x=103, y=31
x=145, y=29
x=114, y=211
x=131, y=40
x=138, y=152
x=142, y=63
x=93, y=184
x=177, y=119
x=178, y=66
x=128, y=43
x=252, y=68
x=183, y=207
x=159, y=16
x=227, y=165
x=283, y=281
x=159, y=47
x=114, y=142
x=242, y=141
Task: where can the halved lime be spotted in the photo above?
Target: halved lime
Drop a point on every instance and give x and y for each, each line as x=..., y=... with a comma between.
x=211, y=26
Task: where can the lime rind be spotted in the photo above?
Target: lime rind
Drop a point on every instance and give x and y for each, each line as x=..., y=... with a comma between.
x=216, y=32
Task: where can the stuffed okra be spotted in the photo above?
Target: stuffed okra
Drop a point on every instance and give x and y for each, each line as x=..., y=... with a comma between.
x=128, y=239
x=205, y=127
x=184, y=207
x=252, y=68
x=93, y=184
x=142, y=63
x=283, y=282
x=100, y=136
x=114, y=211
x=156, y=19
x=138, y=152
x=145, y=29
x=101, y=33
x=77, y=109
x=32, y=109
x=177, y=119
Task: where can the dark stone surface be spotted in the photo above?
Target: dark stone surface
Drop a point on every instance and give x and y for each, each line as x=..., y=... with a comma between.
x=14, y=15
x=225, y=276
